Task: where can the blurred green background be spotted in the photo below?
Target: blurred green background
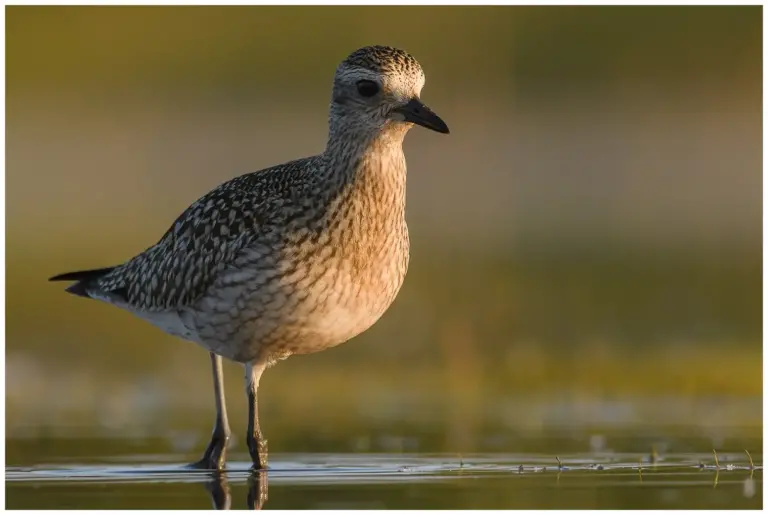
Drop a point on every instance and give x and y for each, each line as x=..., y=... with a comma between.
x=586, y=243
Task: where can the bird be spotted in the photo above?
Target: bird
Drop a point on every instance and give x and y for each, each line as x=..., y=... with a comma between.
x=292, y=259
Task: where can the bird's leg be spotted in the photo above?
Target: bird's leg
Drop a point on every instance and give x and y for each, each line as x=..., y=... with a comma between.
x=216, y=453
x=257, y=445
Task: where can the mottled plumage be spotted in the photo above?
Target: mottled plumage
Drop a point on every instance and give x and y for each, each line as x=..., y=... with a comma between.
x=206, y=238
x=295, y=258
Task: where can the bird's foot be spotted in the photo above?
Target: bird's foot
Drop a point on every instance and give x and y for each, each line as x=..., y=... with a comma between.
x=258, y=450
x=205, y=463
x=215, y=456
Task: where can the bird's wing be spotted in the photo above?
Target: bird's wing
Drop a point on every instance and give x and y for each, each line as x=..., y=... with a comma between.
x=204, y=240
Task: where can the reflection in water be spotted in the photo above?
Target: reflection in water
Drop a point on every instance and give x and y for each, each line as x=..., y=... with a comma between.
x=221, y=497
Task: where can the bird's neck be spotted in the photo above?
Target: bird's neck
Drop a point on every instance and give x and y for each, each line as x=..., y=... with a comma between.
x=371, y=165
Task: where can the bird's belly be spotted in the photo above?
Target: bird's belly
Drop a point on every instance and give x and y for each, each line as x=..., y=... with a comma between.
x=336, y=322
x=171, y=322
x=342, y=307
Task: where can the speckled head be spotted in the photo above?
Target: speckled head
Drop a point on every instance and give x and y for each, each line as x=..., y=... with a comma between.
x=386, y=60
x=379, y=87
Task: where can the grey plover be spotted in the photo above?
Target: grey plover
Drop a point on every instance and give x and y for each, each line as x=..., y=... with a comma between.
x=292, y=259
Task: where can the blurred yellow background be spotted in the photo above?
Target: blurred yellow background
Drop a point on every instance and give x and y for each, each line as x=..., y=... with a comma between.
x=589, y=231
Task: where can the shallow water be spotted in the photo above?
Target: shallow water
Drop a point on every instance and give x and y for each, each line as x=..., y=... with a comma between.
x=323, y=481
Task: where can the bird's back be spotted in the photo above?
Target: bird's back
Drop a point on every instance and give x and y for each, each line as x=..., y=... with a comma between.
x=207, y=238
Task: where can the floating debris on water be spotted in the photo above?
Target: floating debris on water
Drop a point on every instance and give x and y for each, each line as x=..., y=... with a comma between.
x=751, y=463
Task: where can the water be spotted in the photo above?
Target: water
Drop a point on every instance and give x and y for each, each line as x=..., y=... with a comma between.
x=394, y=481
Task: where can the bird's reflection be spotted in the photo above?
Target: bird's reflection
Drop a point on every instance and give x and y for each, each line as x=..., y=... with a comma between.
x=221, y=497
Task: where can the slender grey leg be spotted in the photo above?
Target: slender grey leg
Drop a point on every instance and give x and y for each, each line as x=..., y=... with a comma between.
x=257, y=445
x=216, y=453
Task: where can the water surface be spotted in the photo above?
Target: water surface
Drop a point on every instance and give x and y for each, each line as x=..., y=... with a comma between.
x=378, y=481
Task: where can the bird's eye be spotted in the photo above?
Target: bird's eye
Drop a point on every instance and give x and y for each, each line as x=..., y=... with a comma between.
x=367, y=88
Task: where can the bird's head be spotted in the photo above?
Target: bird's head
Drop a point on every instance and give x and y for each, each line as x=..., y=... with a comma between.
x=377, y=88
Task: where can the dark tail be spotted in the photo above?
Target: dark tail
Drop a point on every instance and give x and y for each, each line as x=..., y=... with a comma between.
x=84, y=278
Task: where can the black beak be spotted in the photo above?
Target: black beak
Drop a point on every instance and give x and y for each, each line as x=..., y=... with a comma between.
x=416, y=112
